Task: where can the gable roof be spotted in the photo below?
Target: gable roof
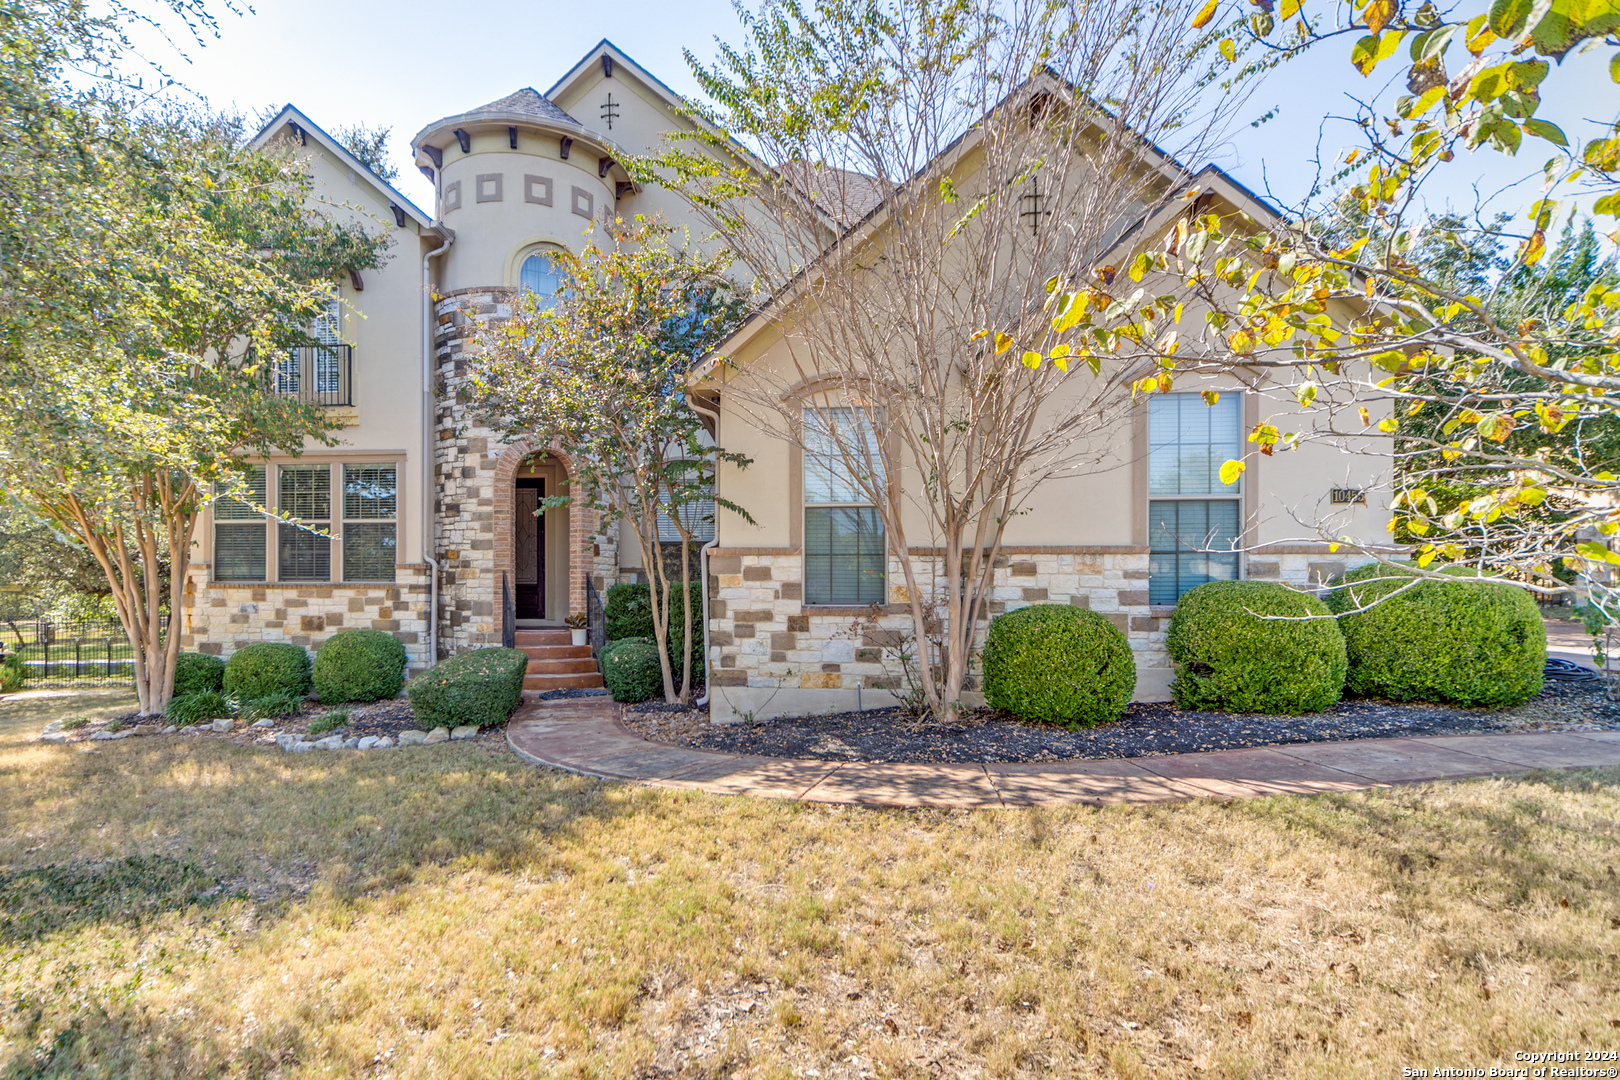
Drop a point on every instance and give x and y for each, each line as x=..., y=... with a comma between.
x=311, y=129
x=619, y=57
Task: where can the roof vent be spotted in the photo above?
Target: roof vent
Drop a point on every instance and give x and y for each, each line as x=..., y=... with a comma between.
x=607, y=66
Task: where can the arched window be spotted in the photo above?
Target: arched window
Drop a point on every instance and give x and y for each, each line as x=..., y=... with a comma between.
x=542, y=275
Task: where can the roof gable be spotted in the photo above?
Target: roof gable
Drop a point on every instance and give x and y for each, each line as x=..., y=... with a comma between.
x=389, y=193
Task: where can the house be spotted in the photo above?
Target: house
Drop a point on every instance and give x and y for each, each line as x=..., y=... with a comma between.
x=433, y=532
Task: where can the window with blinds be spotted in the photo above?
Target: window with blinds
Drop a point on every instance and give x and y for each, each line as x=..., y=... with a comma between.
x=1193, y=519
x=304, y=492
x=239, y=532
x=370, y=518
x=845, y=549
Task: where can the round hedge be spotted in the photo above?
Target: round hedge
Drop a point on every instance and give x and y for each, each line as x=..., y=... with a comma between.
x=1058, y=665
x=359, y=665
x=269, y=667
x=632, y=671
x=196, y=673
x=1228, y=657
x=1462, y=642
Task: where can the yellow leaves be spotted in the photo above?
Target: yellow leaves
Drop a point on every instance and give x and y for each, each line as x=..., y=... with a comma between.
x=1231, y=470
x=1228, y=49
x=1366, y=417
x=1032, y=360
x=1060, y=352
x=1379, y=13
x=1388, y=424
x=1210, y=397
x=1479, y=34
x=1241, y=342
x=979, y=334
x=1496, y=426
x=1071, y=309
x=1350, y=251
x=1289, y=9
x=1205, y=14
x=1140, y=266
x=1003, y=343
x=1391, y=360
x=1531, y=251
x=1305, y=393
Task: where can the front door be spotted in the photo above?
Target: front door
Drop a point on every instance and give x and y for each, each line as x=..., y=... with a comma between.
x=529, y=550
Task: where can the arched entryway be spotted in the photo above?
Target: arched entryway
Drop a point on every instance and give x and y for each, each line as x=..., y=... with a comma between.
x=539, y=555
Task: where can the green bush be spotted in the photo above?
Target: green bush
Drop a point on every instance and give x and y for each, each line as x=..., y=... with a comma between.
x=632, y=671
x=271, y=706
x=196, y=707
x=480, y=687
x=270, y=667
x=330, y=722
x=198, y=672
x=1058, y=665
x=1467, y=643
x=12, y=673
x=359, y=665
x=628, y=613
x=1229, y=658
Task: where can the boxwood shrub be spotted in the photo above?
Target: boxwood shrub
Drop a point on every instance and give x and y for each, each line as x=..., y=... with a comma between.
x=632, y=671
x=270, y=667
x=1462, y=642
x=359, y=665
x=1058, y=665
x=1230, y=658
x=195, y=673
x=628, y=613
x=480, y=688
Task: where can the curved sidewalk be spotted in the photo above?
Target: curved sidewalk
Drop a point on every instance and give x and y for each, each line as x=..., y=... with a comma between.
x=585, y=736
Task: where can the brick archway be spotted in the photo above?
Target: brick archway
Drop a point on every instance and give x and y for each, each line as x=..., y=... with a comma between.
x=581, y=518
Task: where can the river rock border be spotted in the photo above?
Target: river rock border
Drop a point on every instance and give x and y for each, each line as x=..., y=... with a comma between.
x=293, y=744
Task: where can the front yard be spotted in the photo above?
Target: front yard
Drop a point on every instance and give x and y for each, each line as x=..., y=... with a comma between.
x=188, y=907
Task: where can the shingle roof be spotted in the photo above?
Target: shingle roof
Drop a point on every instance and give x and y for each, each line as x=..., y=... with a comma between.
x=527, y=101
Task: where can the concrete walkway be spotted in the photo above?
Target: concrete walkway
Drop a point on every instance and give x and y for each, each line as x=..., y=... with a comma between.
x=584, y=735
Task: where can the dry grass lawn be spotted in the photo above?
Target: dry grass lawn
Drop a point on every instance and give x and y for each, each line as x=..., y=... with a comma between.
x=183, y=908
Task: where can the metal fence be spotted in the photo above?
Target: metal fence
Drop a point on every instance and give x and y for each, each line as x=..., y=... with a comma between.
x=88, y=653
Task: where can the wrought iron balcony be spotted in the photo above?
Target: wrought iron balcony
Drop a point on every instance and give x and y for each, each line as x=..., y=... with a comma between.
x=317, y=374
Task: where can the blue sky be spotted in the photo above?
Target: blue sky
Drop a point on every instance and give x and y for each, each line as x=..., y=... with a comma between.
x=405, y=63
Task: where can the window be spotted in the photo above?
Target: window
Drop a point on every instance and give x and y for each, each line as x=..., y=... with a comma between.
x=239, y=533
x=1188, y=506
x=370, y=514
x=845, y=552
x=326, y=367
x=305, y=493
x=542, y=276
x=364, y=535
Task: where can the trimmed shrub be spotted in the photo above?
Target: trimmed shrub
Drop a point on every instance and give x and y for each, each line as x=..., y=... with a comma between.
x=628, y=613
x=1230, y=658
x=270, y=667
x=198, y=672
x=12, y=672
x=1462, y=642
x=632, y=671
x=359, y=665
x=480, y=688
x=1058, y=665
x=187, y=709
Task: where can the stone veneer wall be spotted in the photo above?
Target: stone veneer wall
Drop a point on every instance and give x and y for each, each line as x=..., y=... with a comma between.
x=773, y=656
x=220, y=617
x=475, y=471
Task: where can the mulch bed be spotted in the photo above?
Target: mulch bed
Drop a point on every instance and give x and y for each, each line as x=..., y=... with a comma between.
x=890, y=735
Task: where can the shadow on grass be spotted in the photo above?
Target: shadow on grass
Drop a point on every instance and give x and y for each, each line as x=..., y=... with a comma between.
x=40, y=900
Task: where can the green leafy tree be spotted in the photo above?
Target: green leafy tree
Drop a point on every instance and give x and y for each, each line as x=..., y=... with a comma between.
x=602, y=371
x=370, y=146
x=149, y=263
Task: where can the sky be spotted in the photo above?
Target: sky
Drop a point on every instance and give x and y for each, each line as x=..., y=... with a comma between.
x=405, y=63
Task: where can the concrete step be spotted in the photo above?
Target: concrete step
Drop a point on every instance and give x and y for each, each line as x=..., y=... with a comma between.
x=541, y=637
x=580, y=681
x=561, y=667
x=558, y=652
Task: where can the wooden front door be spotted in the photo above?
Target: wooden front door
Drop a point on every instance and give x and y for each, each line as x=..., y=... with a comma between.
x=529, y=550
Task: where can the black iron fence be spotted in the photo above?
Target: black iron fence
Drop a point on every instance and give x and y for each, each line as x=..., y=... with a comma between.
x=85, y=653
x=595, y=617
x=508, y=615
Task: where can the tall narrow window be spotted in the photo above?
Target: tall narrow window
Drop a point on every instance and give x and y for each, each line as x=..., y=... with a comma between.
x=325, y=331
x=239, y=533
x=541, y=275
x=845, y=553
x=304, y=492
x=1191, y=514
x=370, y=517
x=697, y=516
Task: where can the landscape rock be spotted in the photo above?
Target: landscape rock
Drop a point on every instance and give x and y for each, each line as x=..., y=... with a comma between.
x=367, y=743
x=438, y=735
x=383, y=743
x=287, y=740
x=147, y=729
x=170, y=730
x=412, y=736
x=466, y=731
x=331, y=742
x=351, y=743
x=224, y=724
x=302, y=747
x=266, y=722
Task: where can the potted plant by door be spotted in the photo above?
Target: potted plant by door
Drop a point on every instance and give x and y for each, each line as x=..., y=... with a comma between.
x=576, y=628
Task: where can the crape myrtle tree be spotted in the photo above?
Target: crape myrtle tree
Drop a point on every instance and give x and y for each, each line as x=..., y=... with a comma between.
x=936, y=169
x=602, y=371
x=1492, y=388
x=150, y=264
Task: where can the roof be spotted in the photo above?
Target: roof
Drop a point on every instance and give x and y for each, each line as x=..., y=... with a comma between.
x=291, y=114
x=845, y=195
x=525, y=102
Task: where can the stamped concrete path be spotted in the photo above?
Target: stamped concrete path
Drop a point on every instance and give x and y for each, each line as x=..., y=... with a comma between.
x=585, y=736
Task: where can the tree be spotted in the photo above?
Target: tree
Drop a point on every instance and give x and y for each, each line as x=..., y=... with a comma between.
x=602, y=371
x=1500, y=368
x=151, y=266
x=942, y=166
x=370, y=147
x=43, y=573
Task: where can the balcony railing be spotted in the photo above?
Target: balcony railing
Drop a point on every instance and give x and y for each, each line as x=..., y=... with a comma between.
x=317, y=374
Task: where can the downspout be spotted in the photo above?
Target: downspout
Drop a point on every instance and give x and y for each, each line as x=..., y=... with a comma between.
x=428, y=446
x=703, y=553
